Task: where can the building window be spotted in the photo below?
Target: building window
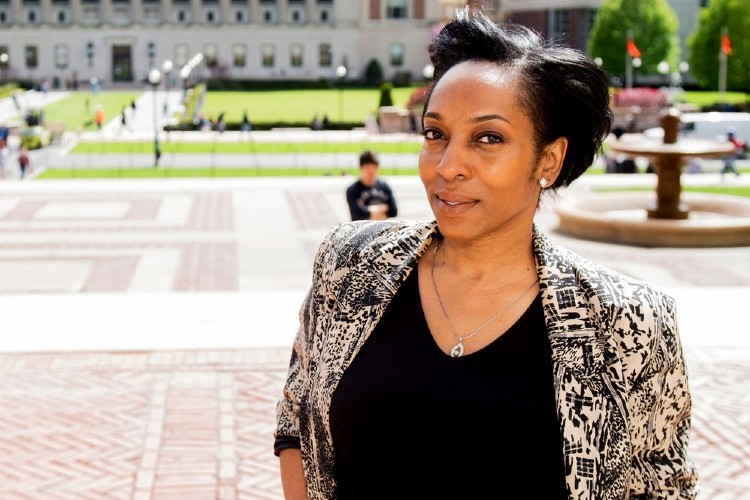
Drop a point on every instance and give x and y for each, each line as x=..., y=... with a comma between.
x=239, y=55
x=396, y=9
x=210, y=54
x=32, y=16
x=269, y=16
x=62, y=17
x=183, y=16
x=31, y=54
x=181, y=54
x=325, y=16
x=239, y=16
x=61, y=56
x=298, y=16
x=325, y=55
x=267, y=55
x=3, y=17
x=296, y=59
x=397, y=54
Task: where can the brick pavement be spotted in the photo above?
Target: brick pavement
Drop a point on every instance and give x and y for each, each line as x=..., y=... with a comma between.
x=194, y=421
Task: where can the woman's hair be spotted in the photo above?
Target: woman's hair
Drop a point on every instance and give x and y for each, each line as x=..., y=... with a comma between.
x=565, y=92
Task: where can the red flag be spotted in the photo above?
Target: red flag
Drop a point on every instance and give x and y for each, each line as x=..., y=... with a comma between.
x=726, y=46
x=632, y=49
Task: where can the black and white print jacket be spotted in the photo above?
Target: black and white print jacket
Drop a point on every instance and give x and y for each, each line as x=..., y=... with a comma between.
x=622, y=393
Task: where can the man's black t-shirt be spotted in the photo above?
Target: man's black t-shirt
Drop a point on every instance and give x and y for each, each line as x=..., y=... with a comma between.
x=359, y=197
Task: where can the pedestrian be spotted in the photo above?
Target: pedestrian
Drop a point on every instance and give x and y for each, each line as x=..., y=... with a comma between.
x=470, y=356
x=739, y=150
x=24, y=162
x=99, y=116
x=124, y=120
x=245, y=125
x=370, y=197
x=3, y=157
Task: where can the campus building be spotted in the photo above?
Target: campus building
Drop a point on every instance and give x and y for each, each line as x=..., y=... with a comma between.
x=118, y=41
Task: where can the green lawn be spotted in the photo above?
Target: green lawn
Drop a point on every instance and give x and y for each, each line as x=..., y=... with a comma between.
x=198, y=172
x=248, y=147
x=703, y=98
x=77, y=110
x=300, y=105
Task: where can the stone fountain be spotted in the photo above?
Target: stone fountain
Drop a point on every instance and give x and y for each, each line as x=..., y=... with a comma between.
x=672, y=218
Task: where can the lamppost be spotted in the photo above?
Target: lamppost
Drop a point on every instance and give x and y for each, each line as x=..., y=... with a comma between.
x=428, y=72
x=663, y=69
x=154, y=78
x=167, y=68
x=184, y=75
x=4, y=65
x=636, y=63
x=340, y=75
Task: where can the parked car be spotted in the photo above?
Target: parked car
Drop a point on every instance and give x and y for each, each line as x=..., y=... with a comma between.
x=35, y=137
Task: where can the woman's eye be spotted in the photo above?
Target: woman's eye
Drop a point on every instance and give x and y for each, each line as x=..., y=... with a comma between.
x=432, y=134
x=490, y=138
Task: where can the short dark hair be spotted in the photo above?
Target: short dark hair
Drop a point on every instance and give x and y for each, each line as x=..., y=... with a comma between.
x=368, y=156
x=565, y=92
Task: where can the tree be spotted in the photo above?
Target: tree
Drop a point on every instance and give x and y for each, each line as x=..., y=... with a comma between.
x=373, y=72
x=705, y=44
x=653, y=24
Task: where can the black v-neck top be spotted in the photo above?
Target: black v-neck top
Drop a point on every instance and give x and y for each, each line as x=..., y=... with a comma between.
x=409, y=421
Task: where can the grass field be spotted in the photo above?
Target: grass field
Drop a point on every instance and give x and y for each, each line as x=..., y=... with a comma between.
x=247, y=147
x=353, y=104
x=77, y=110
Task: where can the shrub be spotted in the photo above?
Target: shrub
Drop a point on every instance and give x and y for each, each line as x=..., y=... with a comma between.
x=373, y=73
x=386, y=97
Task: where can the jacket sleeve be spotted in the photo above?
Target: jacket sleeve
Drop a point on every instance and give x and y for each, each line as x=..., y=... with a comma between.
x=659, y=404
x=293, y=400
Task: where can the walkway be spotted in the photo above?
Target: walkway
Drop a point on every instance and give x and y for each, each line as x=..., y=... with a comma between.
x=147, y=327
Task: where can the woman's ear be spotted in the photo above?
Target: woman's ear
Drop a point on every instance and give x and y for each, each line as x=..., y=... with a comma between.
x=552, y=160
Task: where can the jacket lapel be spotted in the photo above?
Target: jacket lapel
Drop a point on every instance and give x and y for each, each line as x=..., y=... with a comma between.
x=580, y=368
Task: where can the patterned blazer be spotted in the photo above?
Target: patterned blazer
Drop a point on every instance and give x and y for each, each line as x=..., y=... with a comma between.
x=620, y=379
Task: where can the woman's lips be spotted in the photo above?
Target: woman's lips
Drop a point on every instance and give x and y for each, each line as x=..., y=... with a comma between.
x=454, y=207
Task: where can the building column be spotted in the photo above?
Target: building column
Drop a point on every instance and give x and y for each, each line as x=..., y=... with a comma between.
x=136, y=11
x=47, y=14
x=282, y=7
x=105, y=11
x=196, y=11
x=254, y=9
x=76, y=11
x=225, y=8
x=167, y=15
x=17, y=12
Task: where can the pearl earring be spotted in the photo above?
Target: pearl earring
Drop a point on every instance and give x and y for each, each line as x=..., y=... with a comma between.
x=543, y=182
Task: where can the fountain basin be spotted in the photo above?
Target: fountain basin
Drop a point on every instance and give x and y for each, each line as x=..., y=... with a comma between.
x=622, y=217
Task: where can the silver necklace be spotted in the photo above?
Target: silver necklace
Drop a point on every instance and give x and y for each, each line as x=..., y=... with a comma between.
x=458, y=350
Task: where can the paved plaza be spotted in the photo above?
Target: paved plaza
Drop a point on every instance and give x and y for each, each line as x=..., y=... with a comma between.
x=146, y=328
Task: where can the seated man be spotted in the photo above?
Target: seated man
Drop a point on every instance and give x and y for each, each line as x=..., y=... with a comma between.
x=369, y=197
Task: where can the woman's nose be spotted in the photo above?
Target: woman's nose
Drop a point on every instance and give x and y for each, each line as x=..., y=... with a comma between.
x=453, y=163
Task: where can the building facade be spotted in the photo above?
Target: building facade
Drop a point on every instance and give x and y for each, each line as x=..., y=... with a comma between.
x=120, y=41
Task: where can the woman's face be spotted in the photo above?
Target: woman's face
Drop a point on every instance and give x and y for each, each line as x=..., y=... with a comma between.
x=478, y=159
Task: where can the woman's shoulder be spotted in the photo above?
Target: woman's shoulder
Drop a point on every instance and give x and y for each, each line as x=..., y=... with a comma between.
x=596, y=278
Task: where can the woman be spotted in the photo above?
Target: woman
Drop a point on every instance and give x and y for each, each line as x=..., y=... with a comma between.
x=469, y=357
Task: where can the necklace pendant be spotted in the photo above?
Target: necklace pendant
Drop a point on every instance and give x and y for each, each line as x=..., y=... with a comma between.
x=458, y=349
